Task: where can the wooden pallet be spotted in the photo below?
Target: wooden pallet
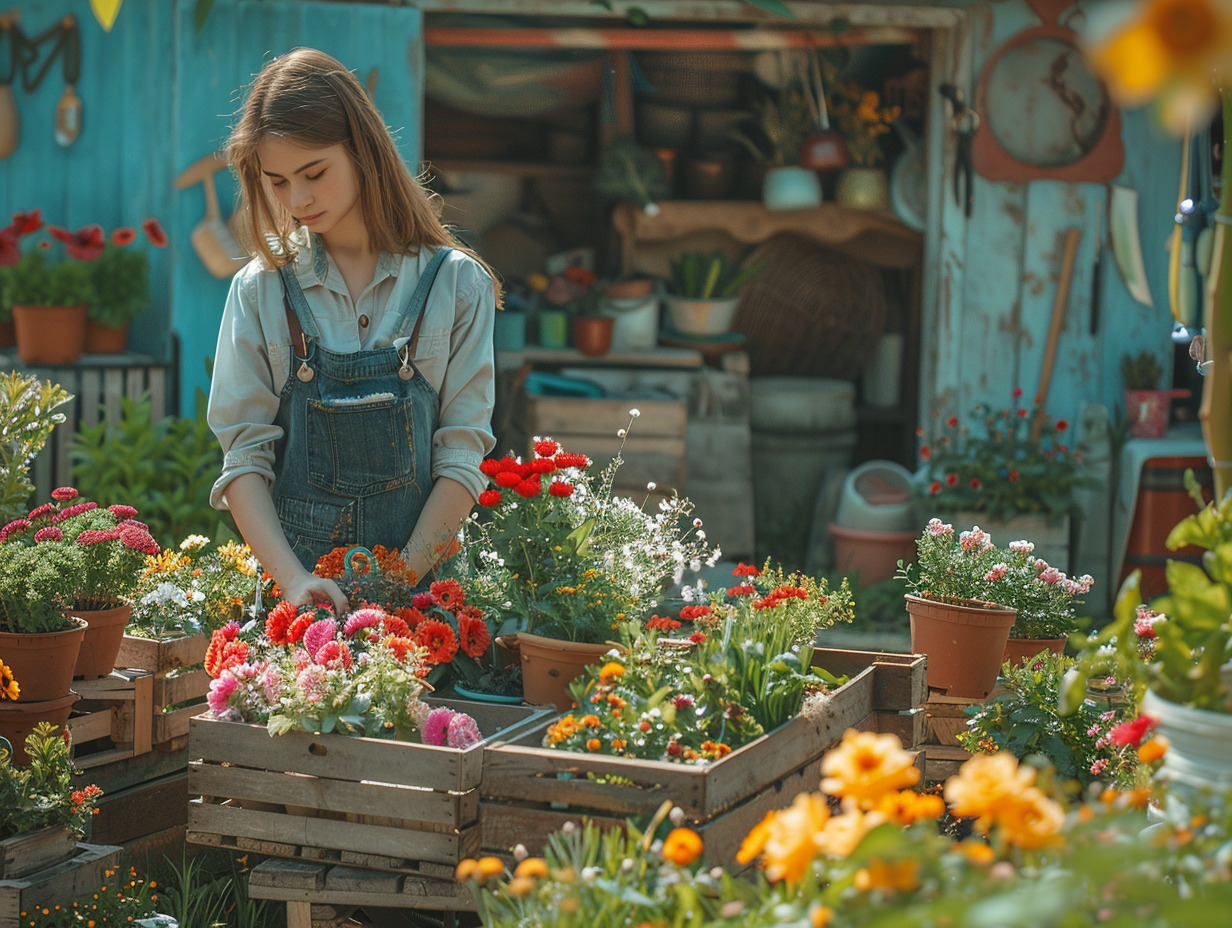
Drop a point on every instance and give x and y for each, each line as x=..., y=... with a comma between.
x=946, y=718
x=78, y=876
x=113, y=720
x=393, y=801
x=180, y=684
x=529, y=790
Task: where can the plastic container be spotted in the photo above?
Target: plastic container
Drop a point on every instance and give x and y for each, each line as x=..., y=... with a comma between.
x=702, y=317
x=877, y=497
x=809, y=405
x=872, y=555
x=637, y=322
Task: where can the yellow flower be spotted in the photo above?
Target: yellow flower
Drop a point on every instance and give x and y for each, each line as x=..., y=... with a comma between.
x=1153, y=750
x=521, y=886
x=901, y=876
x=983, y=783
x=786, y=838
x=906, y=808
x=611, y=671
x=842, y=834
x=866, y=766
x=8, y=683
x=1030, y=819
x=164, y=562
x=534, y=867
x=977, y=852
x=682, y=846
x=819, y=915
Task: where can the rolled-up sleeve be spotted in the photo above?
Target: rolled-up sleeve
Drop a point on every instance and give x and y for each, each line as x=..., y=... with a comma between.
x=468, y=389
x=243, y=398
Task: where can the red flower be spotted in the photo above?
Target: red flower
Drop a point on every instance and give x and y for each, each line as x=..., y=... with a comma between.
x=225, y=650
x=743, y=590
x=93, y=536
x=139, y=540
x=1062, y=425
x=489, y=467
x=925, y=452
x=1017, y=392
x=663, y=623
x=560, y=488
x=474, y=638
x=64, y=493
x=78, y=509
x=507, y=479
x=975, y=483
x=48, y=533
x=335, y=655
x=423, y=600
x=1132, y=733
x=278, y=622
x=38, y=512
x=400, y=622
x=951, y=480
x=154, y=231
x=697, y=637
x=935, y=487
x=16, y=527
x=542, y=466
x=689, y=613
x=1022, y=414
x=400, y=646
x=490, y=498
x=1013, y=476
x=25, y=223
x=448, y=594
x=299, y=625
x=529, y=487
x=952, y=421
x=546, y=448
x=565, y=459
x=85, y=244
x=122, y=512
x=745, y=570
x=10, y=253
x=123, y=235
x=439, y=639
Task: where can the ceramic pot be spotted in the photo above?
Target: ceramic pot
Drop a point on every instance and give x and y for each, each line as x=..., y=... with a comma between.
x=101, y=644
x=8, y=335
x=791, y=188
x=1148, y=411
x=873, y=555
x=50, y=334
x=105, y=339
x=863, y=188
x=553, y=328
x=592, y=335
x=702, y=317
x=1022, y=650
x=549, y=665
x=43, y=663
x=964, y=644
x=1199, y=745
x=18, y=719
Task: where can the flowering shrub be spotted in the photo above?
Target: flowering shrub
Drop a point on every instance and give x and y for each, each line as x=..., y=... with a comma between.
x=736, y=665
x=41, y=794
x=861, y=118
x=123, y=899
x=195, y=588
x=994, y=467
x=28, y=413
x=868, y=850
x=968, y=567
x=567, y=559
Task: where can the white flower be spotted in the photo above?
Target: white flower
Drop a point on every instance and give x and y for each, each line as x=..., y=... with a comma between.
x=193, y=542
x=634, y=413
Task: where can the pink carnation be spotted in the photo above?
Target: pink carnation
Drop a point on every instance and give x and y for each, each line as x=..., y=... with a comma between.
x=121, y=511
x=318, y=633
x=221, y=689
x=436, y=726
x=423, y=601
x=78, y=509
x=64, y=493
x=463, y=731
x=336, y=655
x=363, y=618
x=48, y=533
x=16, y=527
x=40, y=511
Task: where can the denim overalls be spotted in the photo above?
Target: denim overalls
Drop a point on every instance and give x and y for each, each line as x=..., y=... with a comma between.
x=354, y=463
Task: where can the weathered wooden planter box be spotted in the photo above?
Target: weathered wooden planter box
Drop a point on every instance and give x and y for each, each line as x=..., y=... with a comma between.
x=79, y=875
x=180, y=686
x=529, y=791
x=35, y=850
x=388, y=805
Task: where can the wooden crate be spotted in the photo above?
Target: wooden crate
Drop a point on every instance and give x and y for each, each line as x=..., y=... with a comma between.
x=180, y=683
x=114, y=718
x=80, y=875
x=35, y=850
x=653, y=452
x=530, y=791
x=389, y=805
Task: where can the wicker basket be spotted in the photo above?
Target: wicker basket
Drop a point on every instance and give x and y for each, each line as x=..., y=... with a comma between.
x=694, y=78
x=811, y=312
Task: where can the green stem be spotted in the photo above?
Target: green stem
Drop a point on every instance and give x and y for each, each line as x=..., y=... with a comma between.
x=1216, y=411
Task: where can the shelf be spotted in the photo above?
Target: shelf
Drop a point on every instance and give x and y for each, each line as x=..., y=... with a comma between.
x=657, y=357
x=872, y=235
x=537, y=169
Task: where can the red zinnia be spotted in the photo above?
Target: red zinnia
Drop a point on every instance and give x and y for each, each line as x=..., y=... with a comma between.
x=279, y=621
x=528, y=488
x=542, y=466
x=560, y=488
x=743, y=590
x=546, y=448
x=448, y=593
x=697, y=637
x=39, y=511
x=438, y=638
x=16, y=527
x=154, y=231
x=123, y=235
x=400, y=623
x=64, y=493
x=474, y=638
x=507, y=479
x=689, y=613
x=48, y=533
x=745, y=570
x=122, y=512
x=951, y=480
x=299, y=625
x=490, y=498
x=663, y=623
x=85, y=244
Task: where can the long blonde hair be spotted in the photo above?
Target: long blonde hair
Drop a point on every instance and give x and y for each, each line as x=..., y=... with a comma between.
x=309, y=98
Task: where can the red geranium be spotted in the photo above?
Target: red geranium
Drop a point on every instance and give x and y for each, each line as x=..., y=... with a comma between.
x=439, y=640
x=474, y=638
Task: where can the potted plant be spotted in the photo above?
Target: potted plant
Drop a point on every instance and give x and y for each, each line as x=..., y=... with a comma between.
x=781, y=123
x=8, y=334
x=29, y=408
x=704, y=291
x=995, y=472
x=1146, y=406
x=122, y=291
x=862, y=120
x=42, y=813
x=561, y=561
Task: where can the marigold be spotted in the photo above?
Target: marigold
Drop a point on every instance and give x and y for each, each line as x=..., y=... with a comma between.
x=593, y=744
x=1030, y=819
x=1153, y=750
x=612, y=670
x=439, y=640
x=784, y=839
x=400, y=647
x=8, y=683
x=899, y=876
x=985, y=782
x=866, y=766
x=842, y=834
x=682, y=846
x=448, y=594
x=906, y=807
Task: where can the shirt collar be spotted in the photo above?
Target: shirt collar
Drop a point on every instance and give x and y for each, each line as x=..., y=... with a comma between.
x=320, y=269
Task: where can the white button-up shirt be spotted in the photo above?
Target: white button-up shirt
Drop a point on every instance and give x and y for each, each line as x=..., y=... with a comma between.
x=454, y=353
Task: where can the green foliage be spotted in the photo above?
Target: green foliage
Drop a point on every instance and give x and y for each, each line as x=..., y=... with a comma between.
x=1026, y=720
x=27, y=416
x=41, y=794
x=631, y=172
x=200, y=892
x=122, y=898
x=122, y=285
x=781, y=123
x=34, y=281
x=709, y=275
x=166, y=468
x=37, y=583
x=1141, y=371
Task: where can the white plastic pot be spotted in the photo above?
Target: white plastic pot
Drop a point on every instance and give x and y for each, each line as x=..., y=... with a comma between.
x=702, y=317
x=877, y=498
x=1199, y=744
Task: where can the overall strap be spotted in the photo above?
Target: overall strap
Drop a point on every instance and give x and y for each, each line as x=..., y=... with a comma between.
x=419, y=299
x=299, y=315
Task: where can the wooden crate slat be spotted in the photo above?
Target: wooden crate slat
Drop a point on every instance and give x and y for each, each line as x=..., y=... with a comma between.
x=168, y=691
x=161, y=656
x=332, y=833
x=74, y=877
x=36, y=850
x=602, y=417
x=171, y=725
x=902, y=681
x=429, y=807
x=91, y=726
x=723, y=836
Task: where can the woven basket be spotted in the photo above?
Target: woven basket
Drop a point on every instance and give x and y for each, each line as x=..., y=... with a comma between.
x=693, y=78
x=812, y=312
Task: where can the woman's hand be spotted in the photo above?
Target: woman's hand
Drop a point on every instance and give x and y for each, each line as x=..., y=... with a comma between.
x=306, y=589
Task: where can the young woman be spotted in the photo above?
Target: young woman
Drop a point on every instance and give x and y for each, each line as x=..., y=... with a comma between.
x=353, y=381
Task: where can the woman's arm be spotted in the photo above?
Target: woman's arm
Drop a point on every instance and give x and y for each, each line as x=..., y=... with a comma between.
x=250, y=503
x=448, y=503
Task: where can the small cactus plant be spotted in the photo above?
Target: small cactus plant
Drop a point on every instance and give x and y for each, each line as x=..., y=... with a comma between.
x=1141, y=371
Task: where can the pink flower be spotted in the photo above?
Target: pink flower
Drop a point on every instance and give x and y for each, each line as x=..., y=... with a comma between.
x=370, y=617
x=939, y=529
x=313, y=682
x=48, y=533
x=318, y=633
x=138, y=540
x=998, y=572
x=1051, y=575
x=221, y=688
x=47, y=509
x=1144, y=627
x=423, y=601
x=121, y=511
x=93, y=536
x=975, y=540
x=64, y=494
x=462, y=731
x=334, y=654
x=1098, y=767
x=16, y=527
x=78, y=509
x=271, y=683
x=436, y=726
x=1132, y=733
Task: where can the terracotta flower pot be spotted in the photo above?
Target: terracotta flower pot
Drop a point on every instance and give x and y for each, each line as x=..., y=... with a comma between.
x=17, y=720
x=104, y=636
x=1021, y=650
x=593, y=334
x=105, y=339
x=549, y=665
x=964, y=644
x=50, y=334
x=43, y=663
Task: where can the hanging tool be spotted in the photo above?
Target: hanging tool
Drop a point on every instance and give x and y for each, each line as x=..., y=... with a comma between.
x=964, y=120
x=68, y=110
x=9, y=122
x=825, y=149
x=1097, y=270
x=1068, y=253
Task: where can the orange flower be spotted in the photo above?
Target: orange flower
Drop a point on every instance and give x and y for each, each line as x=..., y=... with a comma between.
x=439, y=639
x=985, y=782
x=520, y=886
x=906, y=808
x=901, y=876
x=448, y=593
x=611, y=671
x=594, y=744
x=819, y=915
x=682, y=846
x=785, y=839
x=1030, y=820
x=474, y=637
x=842, y=834
x=1153, y=750
x=866, y=766
x=532, y=867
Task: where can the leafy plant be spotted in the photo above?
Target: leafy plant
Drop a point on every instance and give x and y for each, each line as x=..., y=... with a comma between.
x=121, y=285
x=34, y=281
x=713, y=275
x=781, y=123
x=27, y=416
x=631, y=172
x=1141, y=371
x=122, y=899
x=165, y=467
x=862, y=120
x=41, y=794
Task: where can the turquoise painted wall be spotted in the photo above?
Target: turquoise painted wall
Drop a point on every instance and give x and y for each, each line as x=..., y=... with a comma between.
x=156, y=96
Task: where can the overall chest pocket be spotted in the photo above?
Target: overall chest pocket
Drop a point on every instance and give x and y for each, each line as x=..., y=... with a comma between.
x=357, y=449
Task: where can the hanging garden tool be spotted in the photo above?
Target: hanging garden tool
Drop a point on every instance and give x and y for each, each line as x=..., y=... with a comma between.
x=25, y=53
x=68, y=110
x=10, y=130
x=212, y=238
